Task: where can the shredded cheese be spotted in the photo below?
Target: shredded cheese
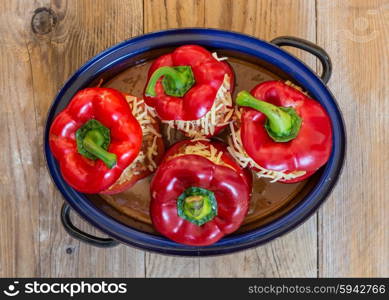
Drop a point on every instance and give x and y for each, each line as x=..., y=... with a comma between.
x=200, y=139
x=299, y=88
x=145, y=159
x=219, y=115
x=236, y=149
x=214, y=54
x=204, y=150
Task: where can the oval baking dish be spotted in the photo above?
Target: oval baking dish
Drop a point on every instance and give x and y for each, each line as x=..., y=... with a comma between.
x=273, y=63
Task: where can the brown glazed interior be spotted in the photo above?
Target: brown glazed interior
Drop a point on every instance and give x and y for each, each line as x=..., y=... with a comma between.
x=269, y=200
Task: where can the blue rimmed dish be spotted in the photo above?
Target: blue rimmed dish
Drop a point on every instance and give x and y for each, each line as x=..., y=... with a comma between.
x=120, y=57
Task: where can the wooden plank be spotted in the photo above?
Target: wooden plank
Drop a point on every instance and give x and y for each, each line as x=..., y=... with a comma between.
x=160, y=15
x=19, y=159
x=164, y=14
x=294, y=255
x=33, y=241
x=354, y=223
x=76, y=38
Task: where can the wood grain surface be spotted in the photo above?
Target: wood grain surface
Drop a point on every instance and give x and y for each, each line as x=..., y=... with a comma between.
x=354, y=222
x=43, y=42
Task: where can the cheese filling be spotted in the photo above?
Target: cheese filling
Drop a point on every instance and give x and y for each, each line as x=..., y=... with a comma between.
x=214, y=54
x=296, y=87
x=219, y=115
x=205, y=150
x=236, y=149
x=144, y=162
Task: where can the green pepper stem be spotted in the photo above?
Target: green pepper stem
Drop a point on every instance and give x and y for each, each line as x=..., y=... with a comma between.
x=175, y=75
x=197, y=205
x=176, y=82
x=92, y=143
x=283, y=123
x=279, y=121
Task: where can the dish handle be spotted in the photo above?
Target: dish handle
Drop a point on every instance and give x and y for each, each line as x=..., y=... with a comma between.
x=78, y=234
x=310, y=47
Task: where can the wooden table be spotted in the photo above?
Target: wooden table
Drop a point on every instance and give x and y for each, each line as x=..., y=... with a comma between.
x=43, y=42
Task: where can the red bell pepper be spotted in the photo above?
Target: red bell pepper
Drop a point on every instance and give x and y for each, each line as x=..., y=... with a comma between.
x=284, y=130
x=182, y=85
x=94, y=139
x=147, y=160
x=197, y=198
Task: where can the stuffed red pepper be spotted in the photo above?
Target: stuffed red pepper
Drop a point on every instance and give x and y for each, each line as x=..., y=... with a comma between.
x=95, y=139
x=280, y=132
x=190, y=90
x=151, y=151
x=199, y=193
